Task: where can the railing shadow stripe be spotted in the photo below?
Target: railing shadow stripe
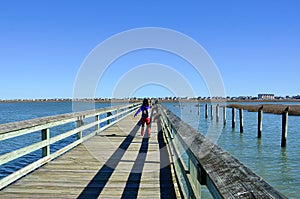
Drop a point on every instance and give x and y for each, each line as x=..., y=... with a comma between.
x=134, y=179
x=97, y=184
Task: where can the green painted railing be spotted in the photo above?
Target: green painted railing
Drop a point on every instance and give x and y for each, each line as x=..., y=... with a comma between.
x=13, y=130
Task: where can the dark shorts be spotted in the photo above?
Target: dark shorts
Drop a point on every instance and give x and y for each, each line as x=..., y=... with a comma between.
x=145, y=120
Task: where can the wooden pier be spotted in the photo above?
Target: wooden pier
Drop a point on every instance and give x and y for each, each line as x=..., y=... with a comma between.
x=118, y=163
x=115, y=161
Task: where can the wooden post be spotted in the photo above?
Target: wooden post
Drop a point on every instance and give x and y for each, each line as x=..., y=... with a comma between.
x=233, y=118
x=108, y=114
x=198, y=108
x=224, y=115
x=241, y=121
x=79, y=123
x=285, y=115
x=97, y=125
x=211, y=112
x=46, y=136
x=206, y=111
x=217, y=113
x=259, y=126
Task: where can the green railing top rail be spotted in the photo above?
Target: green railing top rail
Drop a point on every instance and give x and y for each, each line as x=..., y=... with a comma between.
x=13, y=126
x=13, y=129
x=224, y=175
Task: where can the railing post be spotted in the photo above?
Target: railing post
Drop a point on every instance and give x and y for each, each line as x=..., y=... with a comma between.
x=79, y=123
x=259, y=126
x=241, y=121
x=107, y=115
x=285, y=115
x=97, y=125
x=46, y=136
x=233, y=118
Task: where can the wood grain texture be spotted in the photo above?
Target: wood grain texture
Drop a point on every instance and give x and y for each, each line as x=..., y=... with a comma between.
x=114, y=164
x=226, y=177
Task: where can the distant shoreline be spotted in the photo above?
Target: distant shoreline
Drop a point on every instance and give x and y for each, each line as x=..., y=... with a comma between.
x=139, y=100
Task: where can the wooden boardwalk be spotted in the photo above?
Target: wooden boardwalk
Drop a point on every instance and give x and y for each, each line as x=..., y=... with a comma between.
x=117, y=163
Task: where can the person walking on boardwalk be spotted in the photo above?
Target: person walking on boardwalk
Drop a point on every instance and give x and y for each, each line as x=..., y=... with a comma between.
x=145, y=109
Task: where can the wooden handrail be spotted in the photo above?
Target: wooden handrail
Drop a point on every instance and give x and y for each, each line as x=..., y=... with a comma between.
x=224, y=175
x=12, y=130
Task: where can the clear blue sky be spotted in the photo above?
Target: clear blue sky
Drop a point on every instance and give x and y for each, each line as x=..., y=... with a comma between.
x=254, y=43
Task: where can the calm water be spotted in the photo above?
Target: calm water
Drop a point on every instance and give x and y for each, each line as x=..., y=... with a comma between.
x=278, y=166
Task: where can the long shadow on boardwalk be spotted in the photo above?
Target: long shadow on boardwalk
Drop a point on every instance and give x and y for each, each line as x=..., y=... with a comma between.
x=166, y=182
x=134, y=179
x=97, y=184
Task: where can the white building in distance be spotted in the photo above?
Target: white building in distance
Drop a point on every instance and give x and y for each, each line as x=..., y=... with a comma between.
x=266, y=96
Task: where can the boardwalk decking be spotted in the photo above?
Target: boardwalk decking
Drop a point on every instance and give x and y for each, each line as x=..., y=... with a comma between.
x=117, y=163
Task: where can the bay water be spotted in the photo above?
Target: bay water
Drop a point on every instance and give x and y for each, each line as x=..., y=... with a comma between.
x=280, y=167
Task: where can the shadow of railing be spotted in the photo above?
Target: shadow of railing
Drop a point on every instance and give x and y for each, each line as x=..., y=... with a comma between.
x=97, y=184
x=134, y=179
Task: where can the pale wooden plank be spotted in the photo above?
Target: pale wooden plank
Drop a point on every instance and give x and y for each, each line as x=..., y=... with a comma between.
x=69, y=175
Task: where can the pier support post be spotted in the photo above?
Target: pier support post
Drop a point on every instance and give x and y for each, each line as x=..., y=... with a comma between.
x=217, y=113
x=206, y=111
x=241, y=121
x=198, y=108
x=233, y=118
x=224, y=115
x=285, y=115
x=259, y=126
x=211, y=112
x=46, y=136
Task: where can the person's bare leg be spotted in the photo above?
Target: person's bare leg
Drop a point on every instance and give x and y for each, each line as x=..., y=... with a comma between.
x=142, y=131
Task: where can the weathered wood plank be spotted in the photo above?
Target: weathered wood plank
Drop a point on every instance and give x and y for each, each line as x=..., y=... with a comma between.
x=117, y=162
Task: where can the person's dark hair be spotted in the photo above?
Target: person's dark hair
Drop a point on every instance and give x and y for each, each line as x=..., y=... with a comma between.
x=145, y=102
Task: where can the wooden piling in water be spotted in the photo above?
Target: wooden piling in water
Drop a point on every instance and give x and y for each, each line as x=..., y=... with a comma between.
x=285, y=115
x=224, y=115
x=217, y=113
x=259, y=126
x=206, y=111
x=211, y=112
x=233, y=118
x=241, y=121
